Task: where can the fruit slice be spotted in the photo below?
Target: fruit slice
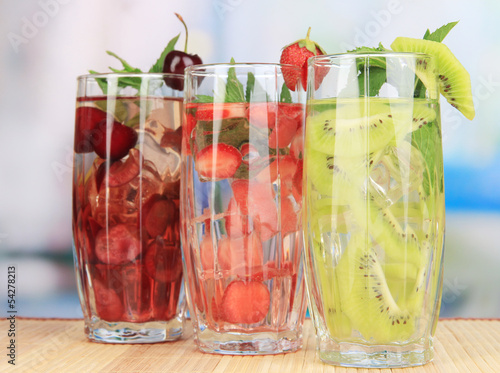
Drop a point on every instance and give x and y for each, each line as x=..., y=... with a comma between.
x=245, y=302
x=289, y=119
x=216, y=162
x=209, y=112
x=365, y=297
x=334, y=176
x=86, y=120
x=118, y=245
x=158, y=213
x=163, y=262
x=333, y=132
x=454, y=80
x=113, y=141
x=107, y=303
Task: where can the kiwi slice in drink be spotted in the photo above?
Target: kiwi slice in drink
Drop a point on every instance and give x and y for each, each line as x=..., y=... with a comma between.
x=366, y=296
x=454, y=80
x=333, y=132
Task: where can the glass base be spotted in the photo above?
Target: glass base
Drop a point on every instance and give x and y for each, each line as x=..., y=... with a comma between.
x=126, y=332
x=362, y=356
x=262, y=343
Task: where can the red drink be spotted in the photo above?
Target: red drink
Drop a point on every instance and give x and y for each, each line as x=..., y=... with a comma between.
x=126, y=217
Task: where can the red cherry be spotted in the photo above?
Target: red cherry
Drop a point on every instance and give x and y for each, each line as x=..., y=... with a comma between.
x=121, y=140
x=176, y=61
x=86, y=119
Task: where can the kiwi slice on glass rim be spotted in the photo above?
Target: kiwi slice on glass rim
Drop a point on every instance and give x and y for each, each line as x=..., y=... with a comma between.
x=454, y=80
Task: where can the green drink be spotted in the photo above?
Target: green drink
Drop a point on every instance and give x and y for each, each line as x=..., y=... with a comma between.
x=374, y=213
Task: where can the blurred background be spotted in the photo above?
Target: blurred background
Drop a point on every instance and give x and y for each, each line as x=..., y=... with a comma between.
x=47, y=43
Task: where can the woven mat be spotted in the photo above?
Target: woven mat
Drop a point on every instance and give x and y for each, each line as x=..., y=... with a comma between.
x=56, y=345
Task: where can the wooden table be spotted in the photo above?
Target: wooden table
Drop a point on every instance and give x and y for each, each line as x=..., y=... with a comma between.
x=59, y=345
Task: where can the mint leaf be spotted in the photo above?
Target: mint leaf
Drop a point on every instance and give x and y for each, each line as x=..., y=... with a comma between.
x=204, y=99
x=440, y=33
x=234, y=88
x=158, y=66
x=285, y=95
x=250, y=86
x=101, y=82
x=126, y=67
x=377, y=76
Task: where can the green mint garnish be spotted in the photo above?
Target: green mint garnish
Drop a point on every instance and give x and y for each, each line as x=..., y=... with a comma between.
x=128, y=69
x=158, y=66
x=234, y=91
x=250, y=86
x=285, y=95
x=234, y=88
x=440, y=33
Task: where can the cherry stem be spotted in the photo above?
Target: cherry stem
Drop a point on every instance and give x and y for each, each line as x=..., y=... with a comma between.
x=185, y=27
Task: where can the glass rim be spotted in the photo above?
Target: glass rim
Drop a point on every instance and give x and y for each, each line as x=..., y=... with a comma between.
x=128, y=75
x=346, y=55
x=202, y=68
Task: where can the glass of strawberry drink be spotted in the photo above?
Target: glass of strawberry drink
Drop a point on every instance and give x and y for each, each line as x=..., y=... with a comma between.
x=126, y=207
x=240, y=207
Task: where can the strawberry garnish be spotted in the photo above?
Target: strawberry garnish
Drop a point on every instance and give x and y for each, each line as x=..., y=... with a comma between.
x=218, y=161
x=245, y=302
x=297, y=54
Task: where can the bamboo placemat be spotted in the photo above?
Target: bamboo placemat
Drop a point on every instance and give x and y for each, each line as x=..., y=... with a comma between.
x=57, y=345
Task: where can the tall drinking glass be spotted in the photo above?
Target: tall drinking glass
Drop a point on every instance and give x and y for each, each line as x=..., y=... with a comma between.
x=127, y=252
x=241, y=205
x=373, y=207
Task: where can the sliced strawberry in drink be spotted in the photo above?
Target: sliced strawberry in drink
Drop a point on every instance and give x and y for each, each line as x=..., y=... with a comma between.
x=284, y=166
x=289, y=218
x=237, y=224
x=262, y=115
x=157, y=213
x=122, y=172
x=117, y=245
x=120, y=138
x=245, y=302
x=290, y=118
x=217, y=161
x=249, y=153
x=297, y=182
x=163, y=262
x=107, y=302
x=209, y=112
x=86, y=120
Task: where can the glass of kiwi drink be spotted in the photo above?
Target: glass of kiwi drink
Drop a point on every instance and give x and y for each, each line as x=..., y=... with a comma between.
x=373, y=207
x=241, y=203
x=127, y=252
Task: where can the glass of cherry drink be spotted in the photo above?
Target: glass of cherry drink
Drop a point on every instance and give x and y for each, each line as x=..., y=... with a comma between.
x=126, y=181
x=241, y=198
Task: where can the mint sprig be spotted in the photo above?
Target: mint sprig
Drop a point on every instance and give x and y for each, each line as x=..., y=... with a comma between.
x=234, y=88
x=234, y=91
x=134, y=82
